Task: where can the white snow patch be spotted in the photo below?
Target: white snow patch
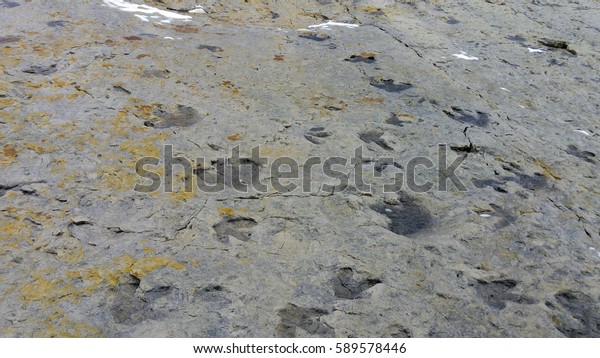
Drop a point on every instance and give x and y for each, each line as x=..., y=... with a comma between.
x=485, y=215
x=198, y=10
x=535, y=50
x=169, y=38
x=581, y=131
x=463, y=56
x=504, y=89
x=145, y=9
x=327, y=25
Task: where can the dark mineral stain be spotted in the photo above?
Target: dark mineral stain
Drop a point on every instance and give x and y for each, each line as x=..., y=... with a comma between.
x=132, y=38
x=41, y=70
x=531, y=182
x=581, y=154
x=394, y=120
x=515, y=38
x=452, y=21
x=464, y=148
x=156, y=73
x=348, y=284
x=293, y=317
x=9, y=4
x=238, y=227
x=382, y=163
x=495, y=184
x=407, y=218
x=397, y=331
x=479, y=119
x=274, y=15
x=389, y=85
x=57, y=23
x=214, y=294
x=558, y=44
x=374, y=137
x=507, y=217
x=583, y=319
x=364, y=57
x=9, y=39
x=210, y=48
x=497, y=292
x=314, y=36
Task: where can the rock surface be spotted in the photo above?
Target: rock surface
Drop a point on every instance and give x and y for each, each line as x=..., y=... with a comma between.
x=511, y=86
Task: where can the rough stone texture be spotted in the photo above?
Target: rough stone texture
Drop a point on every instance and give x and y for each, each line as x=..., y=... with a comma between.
x=87, y=90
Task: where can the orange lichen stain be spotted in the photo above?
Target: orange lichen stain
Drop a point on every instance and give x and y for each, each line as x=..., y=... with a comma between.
x=235, y=137
x=547, y=169
x=226, y=211
x=278, y=57
x=235, y=91
x=142, y=55
x=39, y=149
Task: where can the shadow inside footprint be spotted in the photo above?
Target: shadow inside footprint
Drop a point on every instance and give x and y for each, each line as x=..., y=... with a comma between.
x=238, y=227
x=316, y=135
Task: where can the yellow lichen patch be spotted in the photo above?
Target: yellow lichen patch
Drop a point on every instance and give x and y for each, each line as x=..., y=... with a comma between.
x=235, y=137
x=15, y=230
x=116, y=177
x=38, y=118
x=226, y=211
x=39, y=149
x=48, y=98
x=370, y=9
x=547, y=169
x=144, y=148
x=7, y=102
x=372, y=100
x=48, y=291
x=148, y=250
x=183, y=188
x=85, y=140
x=145, y=266
x=58, y=325
x=405, y=116
x=8, y=155
x=72, y=251
x=7, y=60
